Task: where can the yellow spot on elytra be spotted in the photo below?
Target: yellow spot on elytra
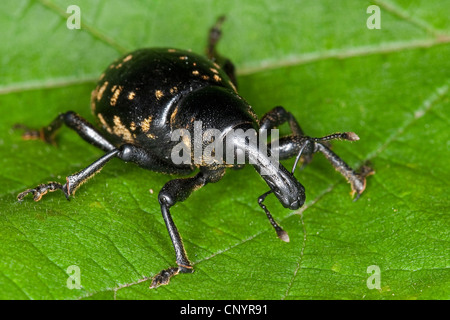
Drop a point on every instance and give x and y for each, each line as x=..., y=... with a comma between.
x=216, y=65
x=195, y=73
x=132, y=126
x=186, y=140
x=171, y=50
x=93, y=107
x=253, y=114
x=217, y=78
x=174, y=114
x=159, y=94
x=93, y=97
x=233, y=86
x=101, y=90
x=173, y=90
x=145, y=124
x=205, y=77
x=183, y=58
x=131, y=95
x=115, y=96
x=214, y=70
x=120, y=130
x=103, y=122
x=127, y=58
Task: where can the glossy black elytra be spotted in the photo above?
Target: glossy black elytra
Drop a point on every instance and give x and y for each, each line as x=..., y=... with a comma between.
x=147, y=94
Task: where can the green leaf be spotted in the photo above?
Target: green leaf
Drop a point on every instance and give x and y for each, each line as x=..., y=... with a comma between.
x=316, y=58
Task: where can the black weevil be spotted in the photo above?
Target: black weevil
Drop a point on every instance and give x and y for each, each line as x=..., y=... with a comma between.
x=143, y=97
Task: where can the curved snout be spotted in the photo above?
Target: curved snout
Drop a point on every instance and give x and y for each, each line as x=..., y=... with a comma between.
x=291, y=195
x=286, y=188
x=282, y=183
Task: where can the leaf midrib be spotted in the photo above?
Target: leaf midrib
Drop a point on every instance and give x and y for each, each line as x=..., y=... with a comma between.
x=438, y=38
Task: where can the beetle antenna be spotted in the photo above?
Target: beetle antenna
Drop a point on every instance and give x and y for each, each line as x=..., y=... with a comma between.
x=349, y=136
x=280, y=232
x=298, y=156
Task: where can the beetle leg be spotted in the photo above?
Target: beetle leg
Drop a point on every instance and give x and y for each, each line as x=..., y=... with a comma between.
x=84, y=129
x=42, y=189
x=146, y=159
x=291, y=146
x=176, y=191
x=214, y=35
x=73, y=182
x=126, y=152
x=300, y=145
x=278, y=116
x=282, y=235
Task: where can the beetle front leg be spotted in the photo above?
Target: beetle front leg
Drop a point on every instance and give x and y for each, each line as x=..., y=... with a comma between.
x=176, y=191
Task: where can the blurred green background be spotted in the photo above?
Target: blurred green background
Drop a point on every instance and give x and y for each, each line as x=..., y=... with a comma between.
x=316, y=58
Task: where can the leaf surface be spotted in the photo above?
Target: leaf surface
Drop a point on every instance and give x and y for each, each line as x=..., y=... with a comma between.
x=316, y=58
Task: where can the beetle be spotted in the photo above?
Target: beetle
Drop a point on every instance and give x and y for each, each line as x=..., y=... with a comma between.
x=146, y=95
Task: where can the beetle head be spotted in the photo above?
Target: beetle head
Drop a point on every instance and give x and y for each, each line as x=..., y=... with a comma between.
x=282, y=183
x=286, y=188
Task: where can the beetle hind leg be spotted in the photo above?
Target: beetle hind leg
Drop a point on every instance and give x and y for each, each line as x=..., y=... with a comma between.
x=72, y=120
x=214, y=36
